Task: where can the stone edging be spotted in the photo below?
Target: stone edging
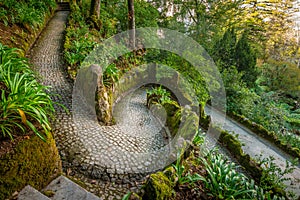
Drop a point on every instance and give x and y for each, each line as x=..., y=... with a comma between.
x=264, y=133
x=235, y=147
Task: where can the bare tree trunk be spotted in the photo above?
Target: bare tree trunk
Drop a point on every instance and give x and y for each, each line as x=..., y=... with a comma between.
x=131, y=22
x=95, y=13
x=95, y=9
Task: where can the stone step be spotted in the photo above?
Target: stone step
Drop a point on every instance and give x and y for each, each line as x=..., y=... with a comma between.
x=64, y=6
x=63, y=188
x=29, y=193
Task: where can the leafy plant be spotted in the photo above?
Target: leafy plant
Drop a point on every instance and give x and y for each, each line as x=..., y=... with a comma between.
x=181, y=176
x=23, y=12
x=126, y=196
x=222, y=179
x=273, y=175
x=111, y=75
x=224, y=182
x=161, y=95
x=199, y=138
x=24, y=102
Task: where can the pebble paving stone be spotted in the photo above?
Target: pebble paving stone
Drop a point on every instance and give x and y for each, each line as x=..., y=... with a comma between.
x=111, y=157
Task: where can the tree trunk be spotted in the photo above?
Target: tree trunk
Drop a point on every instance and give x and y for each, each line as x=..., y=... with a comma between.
x=131, y=23
x=95, y=9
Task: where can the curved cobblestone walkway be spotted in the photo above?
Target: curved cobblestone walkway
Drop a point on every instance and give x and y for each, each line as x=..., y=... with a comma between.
x=92, y=156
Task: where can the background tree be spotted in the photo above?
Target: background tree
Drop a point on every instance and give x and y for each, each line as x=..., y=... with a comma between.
x=224, y=50
x=245, y=59
x=131, y=22
x=95, y=13
x=267, y=22
x=204, y=20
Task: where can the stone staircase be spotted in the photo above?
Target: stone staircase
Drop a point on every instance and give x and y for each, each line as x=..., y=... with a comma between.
x=61, y=188
x=63, y=6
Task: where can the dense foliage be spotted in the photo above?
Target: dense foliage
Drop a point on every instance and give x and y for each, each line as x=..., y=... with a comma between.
x=224, y=182
x=24, y=102
x=29, y=13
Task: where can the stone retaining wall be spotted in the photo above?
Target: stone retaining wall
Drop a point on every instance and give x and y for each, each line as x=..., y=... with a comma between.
x=263, y=132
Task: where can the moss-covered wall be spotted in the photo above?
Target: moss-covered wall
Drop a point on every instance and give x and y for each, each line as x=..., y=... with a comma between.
x=263, y=132
x=32, y=162
x=235, y=148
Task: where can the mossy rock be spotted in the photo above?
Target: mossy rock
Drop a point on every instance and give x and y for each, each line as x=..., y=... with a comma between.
x=251, y=166
x=171, y=108
x=173, y=123
x=158, y=187
x=32, y=162
x=190, y=124
x=170, y=173
x=233, y=145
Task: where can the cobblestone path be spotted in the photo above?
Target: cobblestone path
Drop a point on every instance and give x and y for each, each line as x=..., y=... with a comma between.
x=107, y=159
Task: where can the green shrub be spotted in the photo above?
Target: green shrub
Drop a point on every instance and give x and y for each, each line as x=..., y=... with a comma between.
x=181, y=176
x=224, y=182
x=26, y=12
x=24, y=102
x=159, y=95
x=273, y=175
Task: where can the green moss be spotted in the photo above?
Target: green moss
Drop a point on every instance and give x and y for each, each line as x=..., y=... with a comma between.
x=158, y=187
x=33, y=162
x=171, y=108
x=49, y=193
x=173, y=122
x=170, y=173
x=233, y=145
x=268, y=135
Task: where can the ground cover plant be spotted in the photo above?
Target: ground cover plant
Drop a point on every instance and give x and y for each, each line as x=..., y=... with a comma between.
x=24, y=102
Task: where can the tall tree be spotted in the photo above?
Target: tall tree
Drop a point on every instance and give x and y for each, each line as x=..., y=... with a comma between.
x=225, y=49
x=205, y=20
x=268, y=22
x=246, y=60
x=131, y=22
x=95, y=8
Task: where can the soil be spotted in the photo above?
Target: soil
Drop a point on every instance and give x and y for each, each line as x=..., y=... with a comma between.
x=7, y=145
x=186, y=192
x=12, y=35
